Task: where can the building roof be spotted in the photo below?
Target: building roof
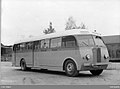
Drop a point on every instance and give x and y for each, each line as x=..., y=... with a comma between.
x=4, y=46
x=111, y=39
x=58, y=34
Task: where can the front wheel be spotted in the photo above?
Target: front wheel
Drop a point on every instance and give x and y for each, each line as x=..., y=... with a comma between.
x=70, y=68
x=96, y=72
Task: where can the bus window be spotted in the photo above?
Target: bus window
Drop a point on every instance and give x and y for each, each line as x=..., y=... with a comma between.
x=37, y=45
x=29, y=45
x=55, y=42
x=69, y=41
x=118, y=53
x=17, y=47
x=22, y=46
x=85, y=40
x=98, y=41
x=14, y=48
x=45, y=43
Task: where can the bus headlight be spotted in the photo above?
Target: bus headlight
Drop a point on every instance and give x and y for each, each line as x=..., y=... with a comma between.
x=105, y=56
x=87, y=56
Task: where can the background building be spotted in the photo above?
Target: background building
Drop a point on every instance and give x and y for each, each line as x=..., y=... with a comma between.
x=113, y=45
x=6, y=53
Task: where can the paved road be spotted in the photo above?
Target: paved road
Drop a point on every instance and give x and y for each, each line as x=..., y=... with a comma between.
x=14, y=76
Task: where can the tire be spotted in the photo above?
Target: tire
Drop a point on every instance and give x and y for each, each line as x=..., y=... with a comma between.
x=71, y=69
x=96, y=72
x=23, y=65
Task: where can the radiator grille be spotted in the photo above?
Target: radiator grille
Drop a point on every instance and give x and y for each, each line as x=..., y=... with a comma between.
x=96, y=55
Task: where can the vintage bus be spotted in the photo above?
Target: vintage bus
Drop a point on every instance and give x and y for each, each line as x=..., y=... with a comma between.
x=70, y=51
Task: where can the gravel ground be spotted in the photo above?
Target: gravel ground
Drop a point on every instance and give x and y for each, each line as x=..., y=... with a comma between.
x=14, y=76
x=115, y=66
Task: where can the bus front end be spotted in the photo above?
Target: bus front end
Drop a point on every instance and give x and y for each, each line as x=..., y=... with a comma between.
x=100, y=59
x=94, y=54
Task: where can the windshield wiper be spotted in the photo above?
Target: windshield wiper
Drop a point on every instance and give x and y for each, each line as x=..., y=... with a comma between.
x=85, y=43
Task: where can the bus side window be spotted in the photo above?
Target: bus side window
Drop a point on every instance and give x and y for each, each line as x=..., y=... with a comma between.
x=45, y=43
x=26, y=46
x=42, y=43
x=118, y=53
x=22, y=46
x=29, y=45
x=14, y=48
x=17, y=47
x=69, y=41
x=37, y=45
x=55, y=42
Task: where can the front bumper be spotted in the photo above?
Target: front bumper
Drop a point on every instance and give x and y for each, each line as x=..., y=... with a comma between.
x=94, y=66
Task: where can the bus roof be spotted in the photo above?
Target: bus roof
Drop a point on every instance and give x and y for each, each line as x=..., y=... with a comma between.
x=57, y=34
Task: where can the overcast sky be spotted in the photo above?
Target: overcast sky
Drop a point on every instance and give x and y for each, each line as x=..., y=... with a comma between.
x=21, y=18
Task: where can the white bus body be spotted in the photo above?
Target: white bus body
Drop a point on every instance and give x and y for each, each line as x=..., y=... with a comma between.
x=70, y=51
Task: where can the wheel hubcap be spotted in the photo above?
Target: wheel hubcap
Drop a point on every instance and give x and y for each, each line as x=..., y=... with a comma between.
x=70, y=67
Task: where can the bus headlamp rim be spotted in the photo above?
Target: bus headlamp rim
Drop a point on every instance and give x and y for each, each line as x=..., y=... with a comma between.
x=87, y=56
x=106, y=56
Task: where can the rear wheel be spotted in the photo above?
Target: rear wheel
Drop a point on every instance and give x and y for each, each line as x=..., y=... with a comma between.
x=96, y=72
x=70, y=68
x=23, y=65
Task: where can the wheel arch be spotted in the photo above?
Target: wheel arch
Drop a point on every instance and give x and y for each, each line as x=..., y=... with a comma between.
x=69, y=58
x=21, y=60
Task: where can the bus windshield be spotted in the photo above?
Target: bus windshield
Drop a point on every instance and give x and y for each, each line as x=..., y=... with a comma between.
x=85, y=40
x=98, y=41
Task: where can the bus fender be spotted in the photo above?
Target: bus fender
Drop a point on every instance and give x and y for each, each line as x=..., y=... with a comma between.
x=69, y=58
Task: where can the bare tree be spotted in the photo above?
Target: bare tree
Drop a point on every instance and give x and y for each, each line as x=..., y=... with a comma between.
x=70, y=24
x=49, y=30
x=83, y=26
